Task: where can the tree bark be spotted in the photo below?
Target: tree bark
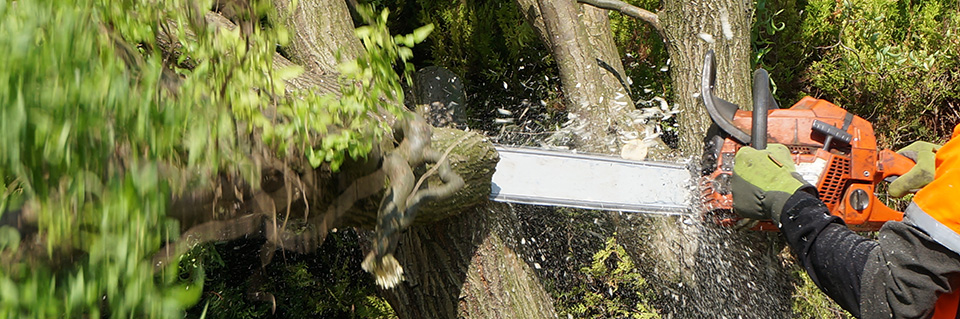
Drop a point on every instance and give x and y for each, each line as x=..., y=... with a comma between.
x=319, y=32
x=692, y=28
x=707, y=267
x=704, y=267
x=467, y=267
x=591, y=73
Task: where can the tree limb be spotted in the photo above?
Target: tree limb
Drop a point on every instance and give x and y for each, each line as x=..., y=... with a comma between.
x=628, y=9
x=400, y=205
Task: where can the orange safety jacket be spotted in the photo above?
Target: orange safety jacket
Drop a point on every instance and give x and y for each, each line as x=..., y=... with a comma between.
x=936, y=210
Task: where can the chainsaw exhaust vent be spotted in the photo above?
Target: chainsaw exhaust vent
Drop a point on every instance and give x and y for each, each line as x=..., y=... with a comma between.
x=832, y=185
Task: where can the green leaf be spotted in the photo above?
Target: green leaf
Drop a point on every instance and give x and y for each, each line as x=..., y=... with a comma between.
x=9, y=238
x=363, y=32
x=421, y=33
x=289, y=72
x=188, y=294
x=315, y=157
x=349, y=67
x=9, y=297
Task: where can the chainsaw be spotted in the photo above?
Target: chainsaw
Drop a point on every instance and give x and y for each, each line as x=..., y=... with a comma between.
x=833, y=149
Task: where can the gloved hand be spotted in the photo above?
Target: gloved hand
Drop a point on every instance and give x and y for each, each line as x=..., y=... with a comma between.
x=763, y=180
x=924, y=154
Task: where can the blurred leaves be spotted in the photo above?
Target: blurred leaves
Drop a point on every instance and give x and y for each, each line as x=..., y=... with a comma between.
x=99, y=127
x=327, y=128
x=84, y=130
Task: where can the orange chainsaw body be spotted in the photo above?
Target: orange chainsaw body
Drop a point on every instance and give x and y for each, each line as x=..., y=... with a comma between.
x=833, y=149
x=846, y=174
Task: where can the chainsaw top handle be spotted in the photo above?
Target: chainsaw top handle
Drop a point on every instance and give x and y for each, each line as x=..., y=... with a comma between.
x=722, y=112
x=762, y=102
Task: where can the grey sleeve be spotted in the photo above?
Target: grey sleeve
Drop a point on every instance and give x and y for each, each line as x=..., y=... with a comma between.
x=905, y=276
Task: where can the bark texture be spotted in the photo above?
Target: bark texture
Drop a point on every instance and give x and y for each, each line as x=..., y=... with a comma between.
x=692, y=28
x=463, y=267
x=709, y=270
x=467, y=265
x=591, y=73
x=700, y=269
x=319, y=31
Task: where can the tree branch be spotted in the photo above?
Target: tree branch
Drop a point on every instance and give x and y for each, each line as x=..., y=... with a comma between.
x=400, y=204
x=628, y=9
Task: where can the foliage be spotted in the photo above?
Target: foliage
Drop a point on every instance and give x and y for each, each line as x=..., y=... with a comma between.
x=486, y=37
x=614, y=288
x=643, y=52
x=810, y=302
x=98, y=120
x=326, y=284
x=346, y=124
x=85, y=128
x=765, y=26
x=894, y=64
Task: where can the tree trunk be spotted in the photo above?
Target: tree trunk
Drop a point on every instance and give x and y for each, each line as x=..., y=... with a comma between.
x=701, y=269
x=590, y=72
x=710, y=269
x=692, y=28
x=467, y=266
x=319, y=31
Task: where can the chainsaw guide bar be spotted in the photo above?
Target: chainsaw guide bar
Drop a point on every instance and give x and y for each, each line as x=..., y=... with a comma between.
x=563, y=178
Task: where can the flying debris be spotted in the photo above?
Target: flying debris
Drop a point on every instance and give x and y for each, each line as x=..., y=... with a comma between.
x=706, y=37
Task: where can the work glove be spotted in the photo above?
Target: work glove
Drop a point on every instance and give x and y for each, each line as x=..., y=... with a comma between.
x=763, y=180
x=924, y=154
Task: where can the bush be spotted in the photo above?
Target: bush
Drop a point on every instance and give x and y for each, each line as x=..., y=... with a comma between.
x=894, y=64
x=613, y=288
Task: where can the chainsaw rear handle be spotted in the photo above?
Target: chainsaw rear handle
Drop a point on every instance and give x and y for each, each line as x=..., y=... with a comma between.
x=893, y=165
x=831, y=132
